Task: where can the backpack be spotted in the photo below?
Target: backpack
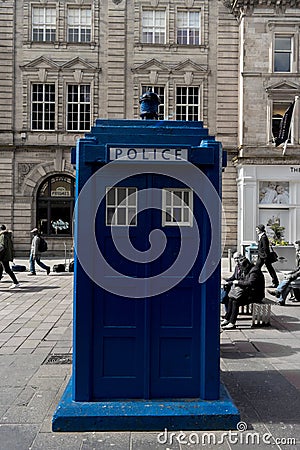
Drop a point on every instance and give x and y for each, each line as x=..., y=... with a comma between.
x=42, y=246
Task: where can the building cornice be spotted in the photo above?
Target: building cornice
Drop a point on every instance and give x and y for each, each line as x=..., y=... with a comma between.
x=242, y=7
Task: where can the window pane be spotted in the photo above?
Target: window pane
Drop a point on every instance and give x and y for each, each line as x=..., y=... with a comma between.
x=110, y=197
x=278, y=112
x=154, y=27
x=43, y=107
x=177, y=213
x=78, y=107
x=283, y=43
x=188, y=28
x=282, y=62
x=124, y=214
x=282, y=53
x=187, y=103
x=43, y=24
x=79, y=25
x=60, y=217
x=121, y=216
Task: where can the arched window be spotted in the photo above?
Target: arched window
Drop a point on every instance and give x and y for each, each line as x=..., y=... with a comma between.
x=55, y=204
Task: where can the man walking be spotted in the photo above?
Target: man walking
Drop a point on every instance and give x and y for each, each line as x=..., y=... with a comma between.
x=264, y=254
x=7, y=255
x=35, y=254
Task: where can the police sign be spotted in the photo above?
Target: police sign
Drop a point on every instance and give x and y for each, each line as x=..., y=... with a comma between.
x=148, y=154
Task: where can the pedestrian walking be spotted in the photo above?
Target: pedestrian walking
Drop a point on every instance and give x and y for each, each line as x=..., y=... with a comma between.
x=35, y=254
x=264, y=254
x=7, y=255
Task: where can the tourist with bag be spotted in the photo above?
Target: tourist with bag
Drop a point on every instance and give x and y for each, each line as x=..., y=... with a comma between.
x=249, y=289
x=35, y=252
x=264, y=254
x=7, y=255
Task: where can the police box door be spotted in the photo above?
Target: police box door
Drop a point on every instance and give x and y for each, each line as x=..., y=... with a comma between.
x=146, y=319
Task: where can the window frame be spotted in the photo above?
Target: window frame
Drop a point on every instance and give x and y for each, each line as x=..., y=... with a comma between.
x=277, y=52
x=189, y=28
x=156, y=29
x=125, y=206
x=51, y=104
x=80, y=25
x=181, y=116
x=80, y=105
x=42, y=26
x=283, y=104
x=183, y=207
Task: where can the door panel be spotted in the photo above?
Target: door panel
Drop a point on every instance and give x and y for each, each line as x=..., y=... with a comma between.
x=145, y=347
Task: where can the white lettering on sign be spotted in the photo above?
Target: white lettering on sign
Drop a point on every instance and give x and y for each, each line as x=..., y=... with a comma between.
x=148, y=154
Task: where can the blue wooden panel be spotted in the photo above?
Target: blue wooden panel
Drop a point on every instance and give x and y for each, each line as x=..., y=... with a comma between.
x=118, y=347
x=175, y=364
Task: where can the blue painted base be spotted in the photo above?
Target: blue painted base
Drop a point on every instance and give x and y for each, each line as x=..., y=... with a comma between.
x=145, y=415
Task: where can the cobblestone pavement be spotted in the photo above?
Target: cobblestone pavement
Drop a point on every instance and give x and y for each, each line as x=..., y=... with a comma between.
x=260, y=368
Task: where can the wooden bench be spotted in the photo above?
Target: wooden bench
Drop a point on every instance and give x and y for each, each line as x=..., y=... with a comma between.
x=260, y=312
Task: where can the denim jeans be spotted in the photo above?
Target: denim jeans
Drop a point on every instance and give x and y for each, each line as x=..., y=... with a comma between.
x=36, y=259
x=283, y=289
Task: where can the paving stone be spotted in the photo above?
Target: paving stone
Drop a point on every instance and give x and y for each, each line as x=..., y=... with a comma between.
x=17, y=437
x=57, y=441
x=105, y=441
x=9, y=394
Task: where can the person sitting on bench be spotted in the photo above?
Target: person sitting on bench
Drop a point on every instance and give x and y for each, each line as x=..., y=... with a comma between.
x=284, y=287
x=237, y=274
x=249, y=289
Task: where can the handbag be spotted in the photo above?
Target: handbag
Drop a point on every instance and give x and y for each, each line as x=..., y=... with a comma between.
x=272, y=257
x=236, y=292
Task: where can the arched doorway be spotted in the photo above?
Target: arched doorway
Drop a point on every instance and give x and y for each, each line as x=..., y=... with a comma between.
x=55, y=204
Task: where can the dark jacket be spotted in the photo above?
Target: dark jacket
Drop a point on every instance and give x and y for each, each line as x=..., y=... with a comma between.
x=254, y=285
x=6, y=241
x=263, y=247
x=236, y=274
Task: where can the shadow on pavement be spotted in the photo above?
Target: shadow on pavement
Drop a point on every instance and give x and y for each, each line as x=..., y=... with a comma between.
x=263, y=396
x=256, y=349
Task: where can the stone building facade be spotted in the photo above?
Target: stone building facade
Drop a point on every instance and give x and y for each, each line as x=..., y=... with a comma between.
x=65, y=63
x=268, y=177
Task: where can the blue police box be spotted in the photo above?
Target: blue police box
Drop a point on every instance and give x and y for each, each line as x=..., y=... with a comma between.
x=147, y=281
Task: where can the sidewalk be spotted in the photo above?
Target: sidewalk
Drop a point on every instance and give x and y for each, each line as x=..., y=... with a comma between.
x=260, y=368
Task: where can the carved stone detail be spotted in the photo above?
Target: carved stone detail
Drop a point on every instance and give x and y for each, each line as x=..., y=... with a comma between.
x=153, y=76
x=239, y=7
x=23, y=171
x=188, y=78
x=43, y=75
x=78, y=75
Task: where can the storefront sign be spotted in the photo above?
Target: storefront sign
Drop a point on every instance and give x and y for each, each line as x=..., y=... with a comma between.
x=148, y=154
x=295, y=169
